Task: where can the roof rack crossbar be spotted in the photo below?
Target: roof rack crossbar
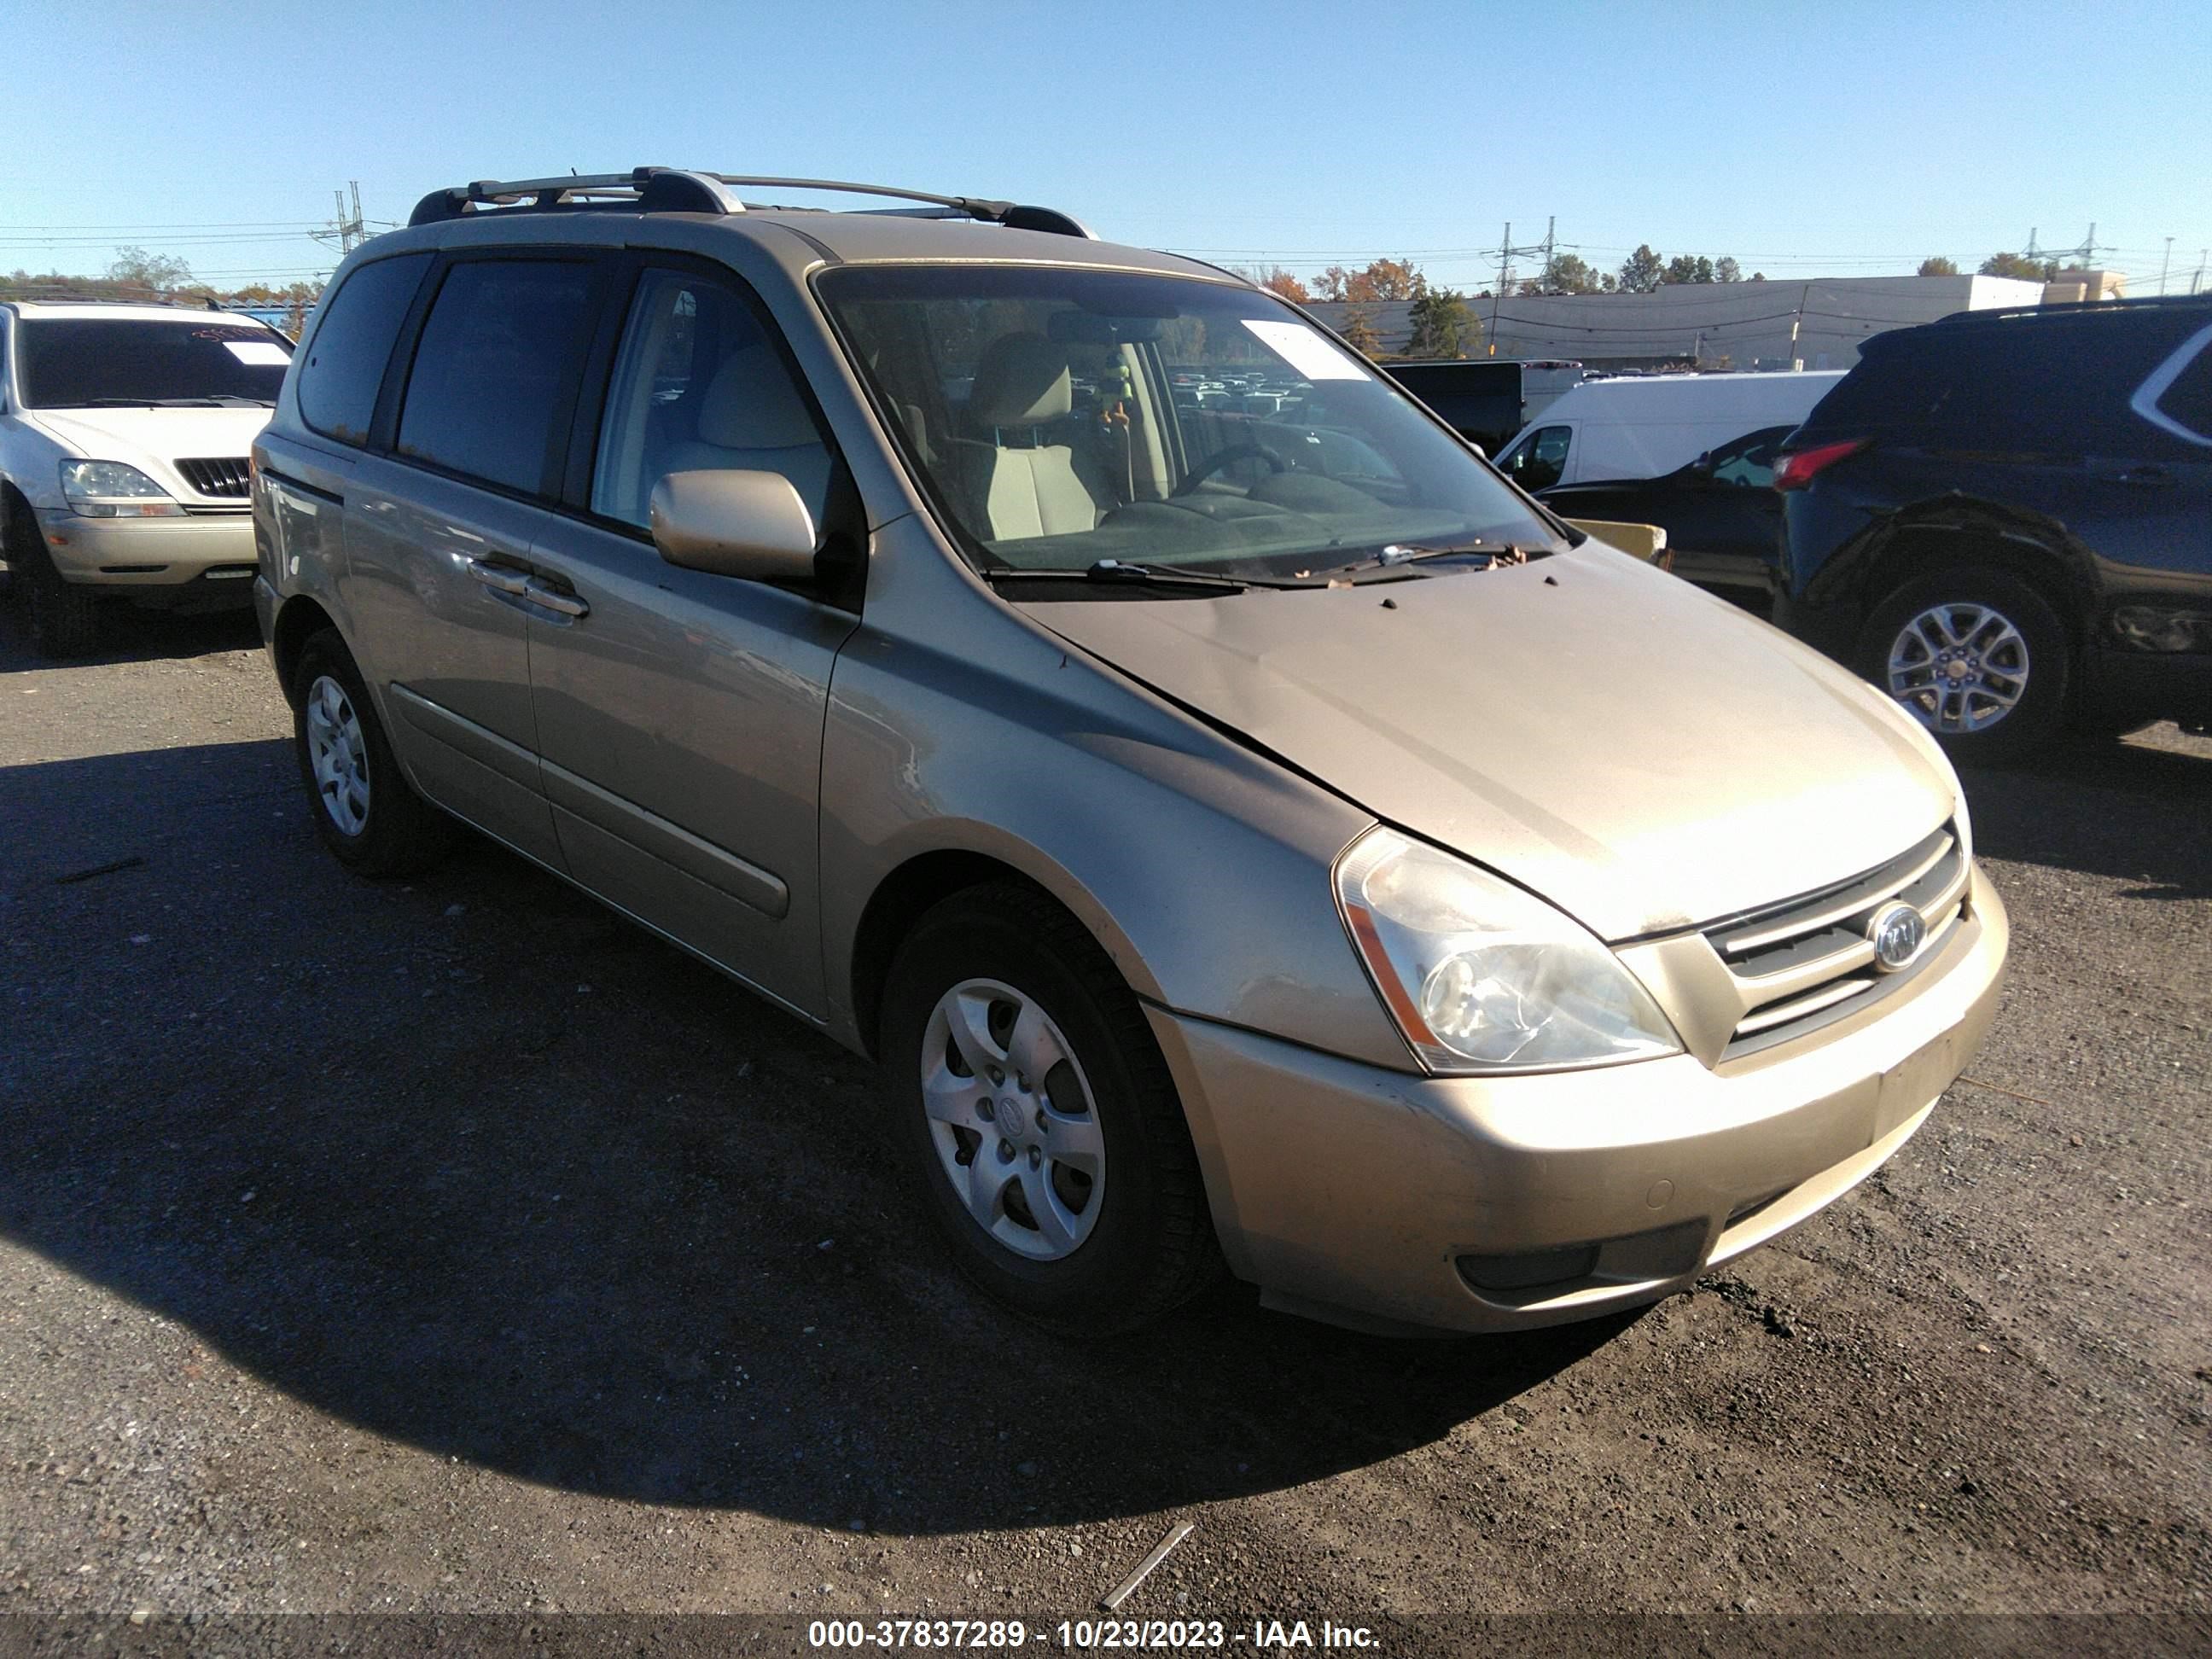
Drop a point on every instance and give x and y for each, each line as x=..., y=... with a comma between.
x=674, y=189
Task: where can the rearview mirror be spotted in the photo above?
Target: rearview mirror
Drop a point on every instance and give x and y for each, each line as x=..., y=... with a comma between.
x=747, y=525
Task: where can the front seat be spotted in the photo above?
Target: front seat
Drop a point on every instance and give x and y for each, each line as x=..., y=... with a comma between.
x=752, y=418
x=1019, y=486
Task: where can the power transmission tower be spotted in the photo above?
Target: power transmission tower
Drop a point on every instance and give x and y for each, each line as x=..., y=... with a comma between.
x=344, y=232
x=1545, y=250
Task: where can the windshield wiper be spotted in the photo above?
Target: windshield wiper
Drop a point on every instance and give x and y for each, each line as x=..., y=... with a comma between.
x=1492, y=555
x=1125, y=570
x=149, y=402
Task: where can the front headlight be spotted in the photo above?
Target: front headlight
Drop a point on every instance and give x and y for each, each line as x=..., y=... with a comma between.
x=109, y=489
x=1482, y=977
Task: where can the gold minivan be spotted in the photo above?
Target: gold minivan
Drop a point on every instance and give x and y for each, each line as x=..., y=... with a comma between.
x=1244, y=829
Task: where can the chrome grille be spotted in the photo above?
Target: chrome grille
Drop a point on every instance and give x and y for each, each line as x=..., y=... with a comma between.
x=1807, y=961
x=218, y=477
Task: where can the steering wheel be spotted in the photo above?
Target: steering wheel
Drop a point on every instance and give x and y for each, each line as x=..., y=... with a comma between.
x=1221, y=458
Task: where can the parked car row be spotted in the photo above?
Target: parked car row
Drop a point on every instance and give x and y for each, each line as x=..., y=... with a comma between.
x=2003, y=518
x=1241, y=838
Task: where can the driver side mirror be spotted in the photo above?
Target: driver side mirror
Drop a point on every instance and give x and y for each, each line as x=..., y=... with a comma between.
x=1703, y=467
x=752, y=525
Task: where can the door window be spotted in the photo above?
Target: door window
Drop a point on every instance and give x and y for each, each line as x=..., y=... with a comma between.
x=496, y=373
x=700, y=385
x=1748, y=461
x=1537, y=463
x=339, y=380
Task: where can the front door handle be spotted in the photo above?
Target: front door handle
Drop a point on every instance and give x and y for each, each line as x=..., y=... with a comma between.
x=540, y=591
x=499, y=577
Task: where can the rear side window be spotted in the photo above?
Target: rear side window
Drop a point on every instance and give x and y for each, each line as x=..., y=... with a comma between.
x=497, y=367
x=2187, y=399
x=345, y=362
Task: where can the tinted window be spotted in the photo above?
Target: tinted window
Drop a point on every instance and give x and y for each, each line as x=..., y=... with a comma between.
x=2189, y=398
x=2038, y=384
x=700, y=386
x=345, y=364
x=498, y=361
x=69, y=363
x=1748, y=461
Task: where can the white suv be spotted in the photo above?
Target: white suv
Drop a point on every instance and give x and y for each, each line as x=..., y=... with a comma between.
x=125, y=431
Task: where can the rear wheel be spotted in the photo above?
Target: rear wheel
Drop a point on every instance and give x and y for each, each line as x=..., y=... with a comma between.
x=366, y=811
x=64, y=617
x=1977, y=656
x=1031, y=1105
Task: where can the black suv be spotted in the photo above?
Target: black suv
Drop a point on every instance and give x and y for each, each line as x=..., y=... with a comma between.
x=2006, y=518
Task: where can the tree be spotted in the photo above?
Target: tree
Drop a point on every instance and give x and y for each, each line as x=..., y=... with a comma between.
x=1567, y=273
x=1937, y=265
x=2020, y=266
x=1725, y=270
x=157, y=273
x=1757, y=276
x=1444, y=325
x=1382, y=279
x=1688, y=268
x=1642, y=272
x=1276, y=280
x=1357, y=328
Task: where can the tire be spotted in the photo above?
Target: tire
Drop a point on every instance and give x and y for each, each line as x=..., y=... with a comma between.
x=365, y=809
x=1978, y=656
x=1112, y=1232
x=64, y=617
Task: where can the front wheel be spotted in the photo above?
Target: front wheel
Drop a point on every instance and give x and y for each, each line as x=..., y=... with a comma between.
x=64, y=617
x=1030, y=1102
x=1977, y=656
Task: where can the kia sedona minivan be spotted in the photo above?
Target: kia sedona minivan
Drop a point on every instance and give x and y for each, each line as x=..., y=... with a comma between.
x=124, y=436
x=1247, y=839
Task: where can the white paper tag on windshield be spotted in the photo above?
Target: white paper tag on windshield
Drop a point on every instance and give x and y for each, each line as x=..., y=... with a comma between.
x=261, y=353
x=1308, y=353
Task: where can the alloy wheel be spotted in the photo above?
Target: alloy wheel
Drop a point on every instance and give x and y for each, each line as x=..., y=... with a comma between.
x=1958, y=668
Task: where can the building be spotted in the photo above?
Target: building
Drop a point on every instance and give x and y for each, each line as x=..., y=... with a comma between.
x=1750, y=325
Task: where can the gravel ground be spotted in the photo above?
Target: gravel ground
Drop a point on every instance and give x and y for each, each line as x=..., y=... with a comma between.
x=450, y=1247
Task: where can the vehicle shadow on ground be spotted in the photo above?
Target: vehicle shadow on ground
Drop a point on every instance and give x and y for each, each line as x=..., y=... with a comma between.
x=128, y=634
x=2134, y=810
x=466, y=1163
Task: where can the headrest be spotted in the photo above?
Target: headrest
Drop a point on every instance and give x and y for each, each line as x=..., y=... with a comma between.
x=1022, y=380
x=750, y=404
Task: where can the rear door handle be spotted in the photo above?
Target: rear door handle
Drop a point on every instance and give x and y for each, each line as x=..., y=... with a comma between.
x=2146, y=474
x=499, y=577
x=540, y=591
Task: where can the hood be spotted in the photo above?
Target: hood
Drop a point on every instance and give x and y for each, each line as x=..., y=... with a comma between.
x=151, y=439
x=1645, y=756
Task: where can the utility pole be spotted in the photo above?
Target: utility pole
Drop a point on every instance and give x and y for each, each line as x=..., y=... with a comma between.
x=2164, y=263
x=1504, y=269
x=2202, y=255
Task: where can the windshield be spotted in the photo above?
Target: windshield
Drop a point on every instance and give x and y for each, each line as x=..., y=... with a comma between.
x=1063, y=416
x=77, y=362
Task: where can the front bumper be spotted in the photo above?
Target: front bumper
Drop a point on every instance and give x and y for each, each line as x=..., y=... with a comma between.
x=150, y=553
x=1355, y=1194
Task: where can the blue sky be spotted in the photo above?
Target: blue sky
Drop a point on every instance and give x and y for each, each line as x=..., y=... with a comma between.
x=1804, y=140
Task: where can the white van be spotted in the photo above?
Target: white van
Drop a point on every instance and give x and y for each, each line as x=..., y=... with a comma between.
x=1640, y=427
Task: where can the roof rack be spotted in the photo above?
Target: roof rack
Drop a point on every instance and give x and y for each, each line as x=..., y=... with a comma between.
x=676, y=190
x=23, y=294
